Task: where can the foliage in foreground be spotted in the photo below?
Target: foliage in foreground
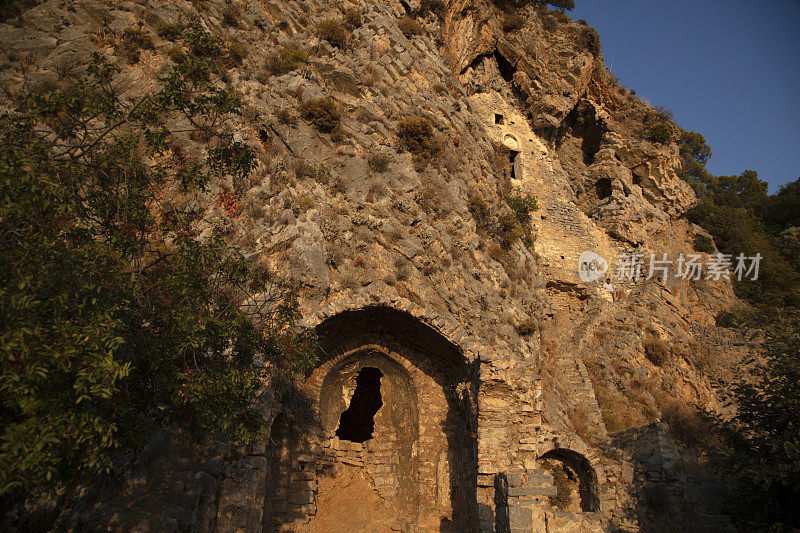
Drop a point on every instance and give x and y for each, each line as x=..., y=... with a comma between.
x=763, y=440
x=114, y=316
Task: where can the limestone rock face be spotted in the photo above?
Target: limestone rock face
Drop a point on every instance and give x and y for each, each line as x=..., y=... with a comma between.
x=512, y=371
x=554, y=71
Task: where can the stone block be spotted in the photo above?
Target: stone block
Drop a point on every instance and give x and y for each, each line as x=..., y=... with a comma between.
x=520, y=517
x=233, y=518
x=514, y=480
x=540, y=479
x=258, y=448
x=302, y=498
x=304, y=485
x=547, y=490
x=486, y=480
x=205, y=483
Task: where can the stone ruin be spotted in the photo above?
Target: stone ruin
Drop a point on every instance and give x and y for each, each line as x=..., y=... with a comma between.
x=395, y=399
x=398, y=403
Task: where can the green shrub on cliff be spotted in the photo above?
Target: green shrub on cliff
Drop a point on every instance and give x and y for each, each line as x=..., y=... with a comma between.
x=522, y=205
x=132, y=42
x=287, y=60
x=659, y=133
x=417, y=136
x=114, y=317
x=322, y=113
x=334, y=32
x=410, y=27
x=703, y=243
x=564, y=5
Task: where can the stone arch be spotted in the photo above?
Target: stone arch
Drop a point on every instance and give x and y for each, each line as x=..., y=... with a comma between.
x=511, y=142
x=580, y=474
x=422, y=455
x=445, y=327
x=514, y=155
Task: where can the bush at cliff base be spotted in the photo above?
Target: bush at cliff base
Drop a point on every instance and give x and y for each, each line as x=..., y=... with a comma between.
x=763, y=440
x=114, y=317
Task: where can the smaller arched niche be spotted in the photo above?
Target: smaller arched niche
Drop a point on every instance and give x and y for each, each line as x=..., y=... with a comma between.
x=511, y=142
x=575, y=480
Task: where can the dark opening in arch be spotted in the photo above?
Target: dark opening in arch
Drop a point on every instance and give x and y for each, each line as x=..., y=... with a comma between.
x=357, y=423
x=512, y=157
x=576, y=469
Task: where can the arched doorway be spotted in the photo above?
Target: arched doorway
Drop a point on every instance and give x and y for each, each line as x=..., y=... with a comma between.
x=575, y=481
x=397, y=419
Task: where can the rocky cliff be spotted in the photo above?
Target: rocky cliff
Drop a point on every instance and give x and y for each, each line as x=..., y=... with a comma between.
x=363, y=221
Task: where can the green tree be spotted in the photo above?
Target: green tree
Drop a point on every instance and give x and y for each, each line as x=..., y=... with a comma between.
x=737, y=230
x=695, y=153
x=739, y=213
x=563, y=5
x=782, y=210
x=790, y=245
x=114, y=316
x=745, y=190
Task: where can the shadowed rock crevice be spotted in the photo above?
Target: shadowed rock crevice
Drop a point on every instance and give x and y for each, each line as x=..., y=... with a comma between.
x=506, y=68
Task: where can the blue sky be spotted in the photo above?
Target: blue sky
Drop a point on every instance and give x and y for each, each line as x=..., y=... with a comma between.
x=729, y=69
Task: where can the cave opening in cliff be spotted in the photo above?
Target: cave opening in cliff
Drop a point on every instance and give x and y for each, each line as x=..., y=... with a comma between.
x=505, y=67
x=583, y=123
x=603, y=188
x=358, y=421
